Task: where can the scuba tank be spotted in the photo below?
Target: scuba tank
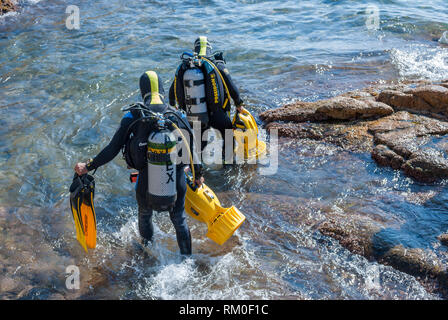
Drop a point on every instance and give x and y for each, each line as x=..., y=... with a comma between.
x=194, y=89
x=162, y=167
x=153, y=132
x=161, y=156
x=199, y=101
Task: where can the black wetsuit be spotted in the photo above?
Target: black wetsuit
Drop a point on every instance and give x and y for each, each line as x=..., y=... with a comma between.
x=145, y=211
x=218, y=119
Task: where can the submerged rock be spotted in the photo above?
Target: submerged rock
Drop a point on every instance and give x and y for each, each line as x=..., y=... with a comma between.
x=7, y=6
x=403, y=126
x=360, y=231
x=350, y=136
x=420, y=263
x=30, y=262
x=355, y=236
x=409, y=142
x=443, y=238
x=363, y=235
x=386, y=157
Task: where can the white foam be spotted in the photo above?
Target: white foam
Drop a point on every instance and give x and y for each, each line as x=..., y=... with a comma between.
x=172, y=280
x=9, y=14
x=421, y=62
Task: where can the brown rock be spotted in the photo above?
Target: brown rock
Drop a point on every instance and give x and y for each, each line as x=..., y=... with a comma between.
x=436, y=96
x=349, y=136
x=7, y=6
x=443, y=238
x=411, y=139
x=401, y=142
x=427, y=99
x=339, y=108
x=386, y=157
x=297, y=130
x=396, y=121
x=417, y=262
x=404, y=101
x=427, y=166
x=353, y=234
x=342, y=108
x=295, y=112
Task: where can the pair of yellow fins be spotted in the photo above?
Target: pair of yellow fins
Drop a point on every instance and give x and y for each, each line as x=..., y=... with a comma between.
x=201, y=203
x=82, y=193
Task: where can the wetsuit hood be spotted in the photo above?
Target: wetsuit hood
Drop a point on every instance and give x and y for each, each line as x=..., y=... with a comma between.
x=151, y=89
x=202, y=46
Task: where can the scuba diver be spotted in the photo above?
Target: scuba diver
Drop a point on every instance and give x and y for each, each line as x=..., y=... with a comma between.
x=146, y=135
x=203, y=87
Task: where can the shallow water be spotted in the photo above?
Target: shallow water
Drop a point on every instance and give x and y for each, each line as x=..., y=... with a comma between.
x=60, y=97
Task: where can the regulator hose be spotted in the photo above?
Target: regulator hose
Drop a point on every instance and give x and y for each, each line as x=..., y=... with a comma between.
x=184, y=139
x=189, y=151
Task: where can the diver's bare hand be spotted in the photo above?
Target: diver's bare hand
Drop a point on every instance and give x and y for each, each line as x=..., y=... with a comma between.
x=240, y=108
x=198, y=182
x=81, y=168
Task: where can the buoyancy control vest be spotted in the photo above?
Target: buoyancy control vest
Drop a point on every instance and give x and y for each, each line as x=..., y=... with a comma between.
x=216, y=92
x=151, y=144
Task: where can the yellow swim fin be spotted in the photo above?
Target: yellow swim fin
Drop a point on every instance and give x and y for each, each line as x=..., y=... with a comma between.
x=82, y=192
x=202, y=204
x=246, y=136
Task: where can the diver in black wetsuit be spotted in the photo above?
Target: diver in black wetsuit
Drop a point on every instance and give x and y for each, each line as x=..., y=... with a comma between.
x=120, y=138
x=218, y=111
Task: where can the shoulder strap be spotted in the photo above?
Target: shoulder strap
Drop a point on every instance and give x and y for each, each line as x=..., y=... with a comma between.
x=222, y=80
x=179, y=72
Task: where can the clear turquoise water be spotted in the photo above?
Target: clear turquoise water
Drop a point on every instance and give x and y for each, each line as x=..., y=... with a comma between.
x=60, y=97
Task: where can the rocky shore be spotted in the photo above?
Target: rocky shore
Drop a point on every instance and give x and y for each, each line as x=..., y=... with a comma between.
x=7, y=6
x=403, y=126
